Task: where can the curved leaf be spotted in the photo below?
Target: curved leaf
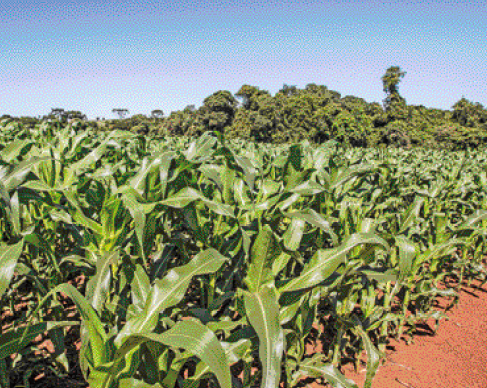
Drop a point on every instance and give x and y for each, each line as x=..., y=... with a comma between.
x=325, y=262
x=315, y=219
x=191, y=336
x=8, y=260
x=315, y=368
x=170, y=290
x=91, y=321
x=13, y=341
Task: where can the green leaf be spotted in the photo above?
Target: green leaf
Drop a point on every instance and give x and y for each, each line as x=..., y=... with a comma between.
x=19, y=173
x=133, y=383
x=234, y=352
x=470, y=222
x=187, y=195
x=138, y=181
x=13, y=341
x=381, y=275
x=412, y=214
x=325, y=262
x=293, y=235
x=262, y=310
x=212, y=172
x=315, y=219
x=98, y=287
x=140, y=288
x=373, y=354
x=313, y=367
x=80, y=217
x=8, y=260
x=407, y=254
x=262, y=254
x=191, y=336
x=12, y=150
x=346, y=174
x=91, y=321
x=201, y=148
x=4, y=377
x=308, y=188
x=137, y=213
x=170, y=290
x=91, y=158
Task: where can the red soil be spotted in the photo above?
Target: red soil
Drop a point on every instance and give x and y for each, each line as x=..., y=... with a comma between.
x=455, y=357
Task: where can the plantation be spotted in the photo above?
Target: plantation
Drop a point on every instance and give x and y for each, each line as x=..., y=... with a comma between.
x=204, y=262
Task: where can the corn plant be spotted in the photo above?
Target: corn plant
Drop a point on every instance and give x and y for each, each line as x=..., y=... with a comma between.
x=213, y=262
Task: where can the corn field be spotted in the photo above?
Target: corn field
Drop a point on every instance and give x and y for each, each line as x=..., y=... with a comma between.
x=215, y=263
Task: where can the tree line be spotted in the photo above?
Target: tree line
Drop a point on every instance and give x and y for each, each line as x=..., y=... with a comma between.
x=317, y=114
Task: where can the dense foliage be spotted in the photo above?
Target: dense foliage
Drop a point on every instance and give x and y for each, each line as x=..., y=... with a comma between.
x=315, y=113
x=205, y=258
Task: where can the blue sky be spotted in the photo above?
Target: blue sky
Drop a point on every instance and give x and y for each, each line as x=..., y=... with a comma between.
x=97, y=55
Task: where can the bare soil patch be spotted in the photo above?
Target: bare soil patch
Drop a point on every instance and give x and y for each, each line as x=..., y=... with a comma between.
x=456, y=356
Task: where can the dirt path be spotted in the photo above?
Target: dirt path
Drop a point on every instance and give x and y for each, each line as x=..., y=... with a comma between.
x=455, y=357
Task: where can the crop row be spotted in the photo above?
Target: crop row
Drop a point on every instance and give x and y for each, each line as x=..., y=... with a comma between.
x=212, y=262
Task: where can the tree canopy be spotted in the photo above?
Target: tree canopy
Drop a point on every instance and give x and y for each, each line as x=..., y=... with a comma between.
x=314, y=113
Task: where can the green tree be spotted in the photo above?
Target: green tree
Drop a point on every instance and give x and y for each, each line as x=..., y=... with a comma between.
x=295, y=116
x=394, y=103
x=75, y=114
x=179, y=122
x=289, y=90
x=257, y=117
x=57, y=113
x=157, y=114
x=391, y=79
x=218, y=110
x=468, y=113
x=121, y=112
x=251, y=96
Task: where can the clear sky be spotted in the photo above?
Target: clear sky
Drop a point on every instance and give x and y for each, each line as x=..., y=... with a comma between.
x=95, y=55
